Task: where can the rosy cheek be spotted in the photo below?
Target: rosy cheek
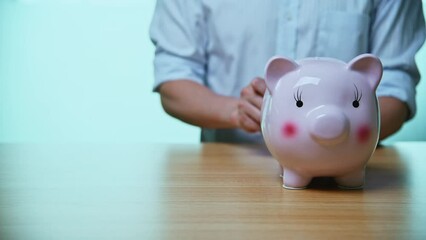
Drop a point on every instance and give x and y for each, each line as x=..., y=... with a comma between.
x=289, y=130
x=363, y=134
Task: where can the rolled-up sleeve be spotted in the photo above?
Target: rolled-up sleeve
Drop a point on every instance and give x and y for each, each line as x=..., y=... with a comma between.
x=178, y=33
x=397, y=34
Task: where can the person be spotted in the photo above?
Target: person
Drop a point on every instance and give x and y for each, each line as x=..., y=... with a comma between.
x=210, y=55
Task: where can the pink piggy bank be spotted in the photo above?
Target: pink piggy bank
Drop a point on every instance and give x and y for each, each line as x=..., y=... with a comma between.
x=320, y=117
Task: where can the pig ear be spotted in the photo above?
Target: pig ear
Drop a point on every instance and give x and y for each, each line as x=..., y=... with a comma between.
x=276, y=68
x=368, y=65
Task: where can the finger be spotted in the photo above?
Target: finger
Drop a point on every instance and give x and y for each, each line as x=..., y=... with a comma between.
x=247, y=109
x=247, y=124
x=256, y=101
x=249, y=94
x=259, y=86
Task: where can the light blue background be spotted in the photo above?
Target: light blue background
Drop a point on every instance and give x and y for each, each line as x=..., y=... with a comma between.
x=81, y=71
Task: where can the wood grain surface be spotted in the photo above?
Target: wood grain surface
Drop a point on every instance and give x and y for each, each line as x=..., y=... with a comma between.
x=202, y=191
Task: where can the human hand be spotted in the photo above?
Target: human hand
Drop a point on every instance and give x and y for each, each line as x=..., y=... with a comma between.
x=247, y=115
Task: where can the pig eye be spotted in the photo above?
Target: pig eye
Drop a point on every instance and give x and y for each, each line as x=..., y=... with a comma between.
x=355, y=103
x=358, y=96
x=298, y=98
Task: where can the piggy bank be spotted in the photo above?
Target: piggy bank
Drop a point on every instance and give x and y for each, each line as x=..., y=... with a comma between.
x=320, y=117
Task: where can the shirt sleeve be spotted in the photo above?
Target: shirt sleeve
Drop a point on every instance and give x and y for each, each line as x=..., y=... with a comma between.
x=177, y=32
x=397, y=33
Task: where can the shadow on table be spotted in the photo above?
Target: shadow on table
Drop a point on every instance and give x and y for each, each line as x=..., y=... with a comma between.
x=386, y=169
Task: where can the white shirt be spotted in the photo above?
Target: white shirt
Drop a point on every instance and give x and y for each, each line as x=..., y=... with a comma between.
x=224, y=44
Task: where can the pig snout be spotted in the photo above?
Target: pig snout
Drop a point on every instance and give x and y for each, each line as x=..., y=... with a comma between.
x=328, y=126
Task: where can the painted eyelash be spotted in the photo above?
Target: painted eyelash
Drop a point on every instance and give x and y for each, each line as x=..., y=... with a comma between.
x=298, y=95
x=358, y=96
x=298, y=98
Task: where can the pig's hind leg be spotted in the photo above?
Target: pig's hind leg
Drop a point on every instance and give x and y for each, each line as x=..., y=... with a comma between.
x=352, y=180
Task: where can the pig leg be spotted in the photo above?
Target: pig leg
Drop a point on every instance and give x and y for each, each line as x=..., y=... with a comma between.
x=351, y=180
x=293, y=180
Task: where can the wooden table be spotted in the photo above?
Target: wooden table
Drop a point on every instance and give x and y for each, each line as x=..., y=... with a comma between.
x=205, y=191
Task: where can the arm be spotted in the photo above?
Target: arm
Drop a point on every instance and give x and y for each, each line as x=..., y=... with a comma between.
x=195, y=104
x=397, y=33
x=180, y=69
